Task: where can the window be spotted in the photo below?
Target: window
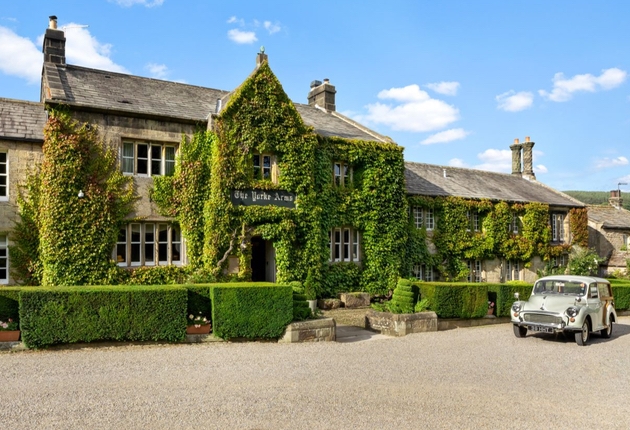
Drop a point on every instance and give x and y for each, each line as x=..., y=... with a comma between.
x=422, y=272
x=513, y=271
x=144, y=244
x=344, y=244
x=515, y=224
x=473, y=220
x=560, y=261
x=4, y=258
x=557, y=227
x=4, y=176
x=474, y=271
x=342, y=174
x=149, y=159
x=265, y=167
x=419, y=215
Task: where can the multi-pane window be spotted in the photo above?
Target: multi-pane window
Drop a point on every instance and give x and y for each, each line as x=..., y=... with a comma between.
x=423, y=217
x=474, y=270
x=513, y=271
x=150, y=159
x=262, y=166
x=557, y=227
x=144, y=244
x=473, y=220
x=559, y=261
x=345, y=244
x=422, y=272
x=515, y=224
x=4, y=176
x=4, y=259
x=342, y=173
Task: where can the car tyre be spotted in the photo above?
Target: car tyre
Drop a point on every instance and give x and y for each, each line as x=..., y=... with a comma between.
x=582, y=336
x=607, y=332
x=520, y=331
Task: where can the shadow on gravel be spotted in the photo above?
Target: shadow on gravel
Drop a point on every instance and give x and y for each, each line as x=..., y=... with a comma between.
x=619, y=330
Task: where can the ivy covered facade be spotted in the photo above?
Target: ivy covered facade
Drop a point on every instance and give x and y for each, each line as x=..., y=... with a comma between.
x=248, y=185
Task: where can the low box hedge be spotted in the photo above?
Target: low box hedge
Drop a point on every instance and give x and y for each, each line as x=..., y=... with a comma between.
x=251, y=310
x=62, y=315
x=455, y=300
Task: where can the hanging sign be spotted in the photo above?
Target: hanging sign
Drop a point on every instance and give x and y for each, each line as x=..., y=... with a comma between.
x=263, y=198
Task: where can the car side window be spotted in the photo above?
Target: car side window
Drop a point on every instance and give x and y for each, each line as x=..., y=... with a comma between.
x=593, y=291
x=604, y=290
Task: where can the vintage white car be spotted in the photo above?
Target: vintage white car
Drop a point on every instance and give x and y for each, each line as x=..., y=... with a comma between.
x=578, y=305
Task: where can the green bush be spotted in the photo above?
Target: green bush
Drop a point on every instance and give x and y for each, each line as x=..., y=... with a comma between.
x=340, y=278
x=456, y=300
x=9, y=303
x=251, y=310
x=505, y=295
x=403, y=299
x=158, y=275
x=621, y=293
x=63, y=315
x=301, y=310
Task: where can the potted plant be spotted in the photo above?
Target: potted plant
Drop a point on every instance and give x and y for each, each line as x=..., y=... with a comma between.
x=9, y=331
x=311, y=295
x=198, y=324
x=490, y=307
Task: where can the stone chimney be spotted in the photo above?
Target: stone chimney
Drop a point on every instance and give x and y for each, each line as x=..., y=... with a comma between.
x=322, y=95
x=516, y=158
x=528, y=161
x=261, y=57
x=54, y=47
x=615, y=199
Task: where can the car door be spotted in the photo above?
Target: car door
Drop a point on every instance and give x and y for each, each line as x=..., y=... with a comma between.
x=595, y=308
x=606, y=299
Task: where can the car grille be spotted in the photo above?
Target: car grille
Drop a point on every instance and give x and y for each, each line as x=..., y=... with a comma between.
x=542, y=319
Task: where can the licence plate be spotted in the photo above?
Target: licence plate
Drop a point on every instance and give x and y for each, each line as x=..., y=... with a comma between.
x=540, y=328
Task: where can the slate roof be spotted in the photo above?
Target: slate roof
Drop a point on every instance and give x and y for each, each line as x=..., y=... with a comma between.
x=610, y=217
x=109, y=91
x=429, y=180
x=22, y=120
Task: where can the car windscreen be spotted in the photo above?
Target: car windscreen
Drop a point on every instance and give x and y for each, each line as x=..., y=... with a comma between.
x=559, y=287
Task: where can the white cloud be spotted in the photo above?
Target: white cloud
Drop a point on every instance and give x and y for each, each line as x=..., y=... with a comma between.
x=271, y=28
x=19, y=56
x=83, y=49
x=446, y=136
x=456, y=162
x=512, y=101
x=611, y=162
x=129, y=3
x=446, y=88
x=242, y=37
x=540, y=168
x=416, y=111
x=625, y=179
x=158, y=71
x=235, y=20
x=564, y=88
x=495, y=160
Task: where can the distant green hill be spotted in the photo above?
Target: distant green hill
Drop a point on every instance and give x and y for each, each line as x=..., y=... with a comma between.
x=597, y=197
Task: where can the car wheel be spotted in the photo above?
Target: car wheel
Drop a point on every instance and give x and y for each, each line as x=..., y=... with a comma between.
x=520, y=331
x=607, y=332
x=582, y=337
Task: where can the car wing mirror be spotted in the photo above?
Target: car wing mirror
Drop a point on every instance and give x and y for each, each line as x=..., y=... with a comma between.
x=516, y=295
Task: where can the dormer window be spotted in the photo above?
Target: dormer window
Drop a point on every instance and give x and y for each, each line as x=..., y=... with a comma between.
x=342, y=173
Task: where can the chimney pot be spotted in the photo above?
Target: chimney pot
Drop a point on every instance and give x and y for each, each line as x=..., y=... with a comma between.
x=52, y=23
x=615, y=199
x=516, y=141
x=526, y=138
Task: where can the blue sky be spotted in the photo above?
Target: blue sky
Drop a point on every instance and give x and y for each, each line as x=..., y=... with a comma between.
x=454, y=82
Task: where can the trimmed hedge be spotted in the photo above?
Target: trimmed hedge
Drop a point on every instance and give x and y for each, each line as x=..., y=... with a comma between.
x=505, y=295
x=50, y=316
x=301, y=310
x=621, y=293
x=251, y=310
x=10, y=303
x=199, y=302
x=455, y=300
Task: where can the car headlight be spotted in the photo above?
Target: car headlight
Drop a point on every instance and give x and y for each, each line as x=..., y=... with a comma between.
x=517, y=306
x=572, y=311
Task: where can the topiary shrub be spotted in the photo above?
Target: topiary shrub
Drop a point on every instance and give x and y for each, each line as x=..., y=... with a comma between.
x=403, y=299
x=301, y=310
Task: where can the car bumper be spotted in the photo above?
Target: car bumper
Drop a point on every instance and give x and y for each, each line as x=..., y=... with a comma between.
x=532, y=323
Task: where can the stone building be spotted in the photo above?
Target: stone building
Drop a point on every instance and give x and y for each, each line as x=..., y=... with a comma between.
x=609, y=233
x=146, y=120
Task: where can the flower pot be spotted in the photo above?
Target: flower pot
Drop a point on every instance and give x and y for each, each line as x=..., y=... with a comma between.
x=490, y=311
x=9, y=335
x=202, y=329
x=313, y=305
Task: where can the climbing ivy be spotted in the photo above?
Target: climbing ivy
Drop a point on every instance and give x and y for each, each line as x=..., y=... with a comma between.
x=73, y=236
x=578, y=218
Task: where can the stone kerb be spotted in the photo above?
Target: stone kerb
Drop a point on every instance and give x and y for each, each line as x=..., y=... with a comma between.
x=318, y=330
x=401, y=324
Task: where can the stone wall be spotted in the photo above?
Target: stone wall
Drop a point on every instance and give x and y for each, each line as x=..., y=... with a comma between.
x=401, y=324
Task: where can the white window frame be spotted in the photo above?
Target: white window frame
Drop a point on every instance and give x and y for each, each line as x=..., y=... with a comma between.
x=515, y=224
x=513, y=271
x=475, y=221
x=4, y=177
x=429, y=218
x=342, y=174
x=149, y=240
x=422, y=272
x=474, y=270
x=166, y=165
x=4, y=258
x=557, y=227
x=417, y=216
x=345, y=245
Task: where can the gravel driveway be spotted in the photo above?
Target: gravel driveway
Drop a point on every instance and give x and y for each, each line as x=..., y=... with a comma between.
x=482, y=377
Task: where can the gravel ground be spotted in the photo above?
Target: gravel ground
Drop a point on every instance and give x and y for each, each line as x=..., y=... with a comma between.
x=480, y=377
